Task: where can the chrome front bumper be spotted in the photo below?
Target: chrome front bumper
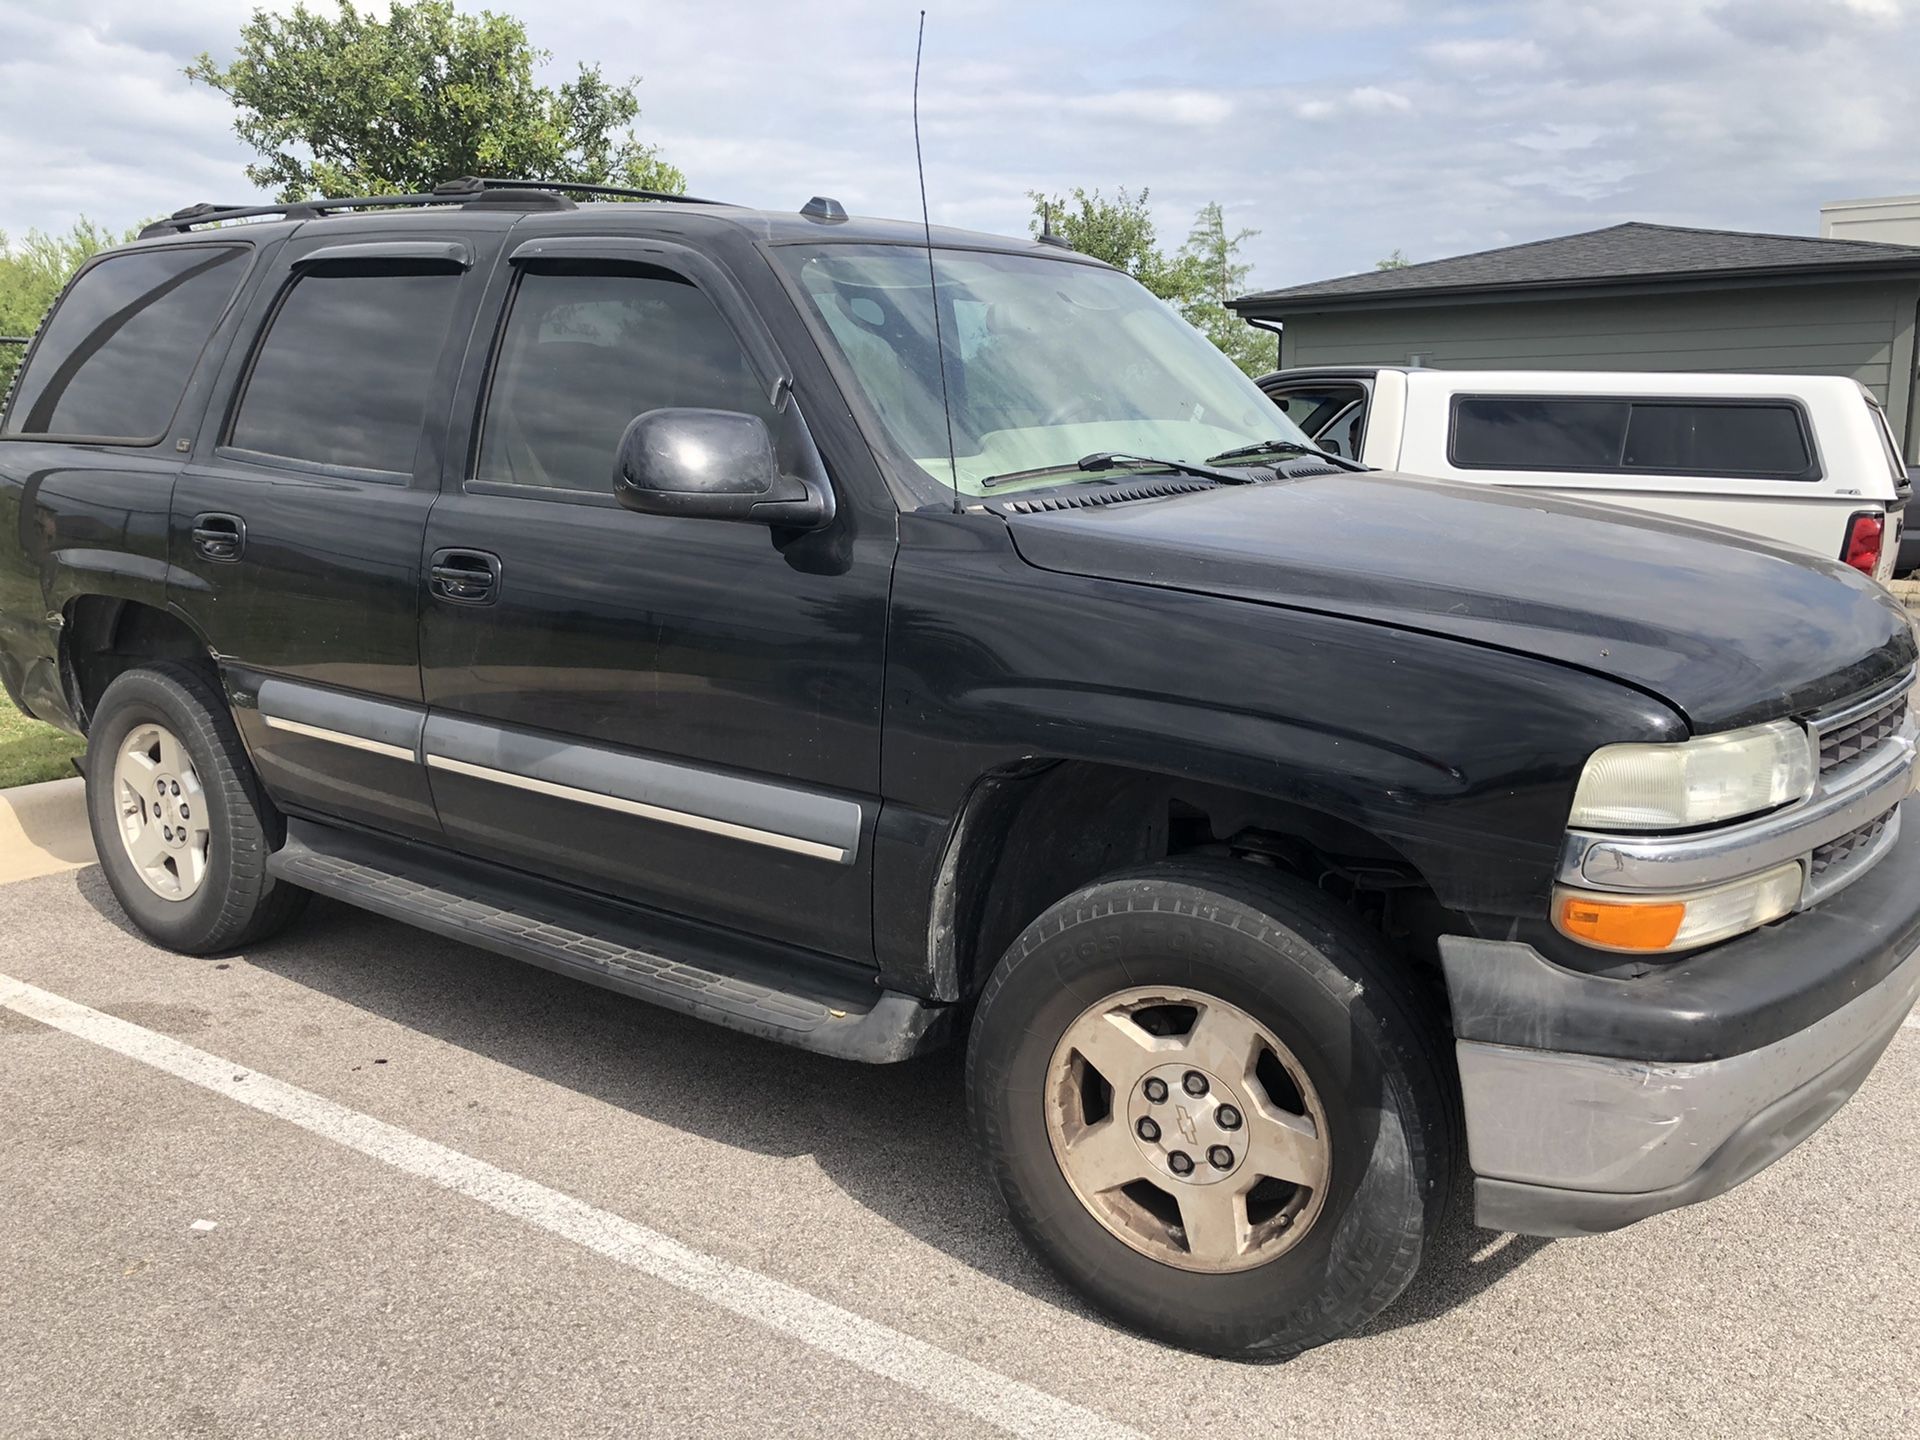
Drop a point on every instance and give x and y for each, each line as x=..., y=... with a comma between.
x=1593, y=1101
x=1565, y=1144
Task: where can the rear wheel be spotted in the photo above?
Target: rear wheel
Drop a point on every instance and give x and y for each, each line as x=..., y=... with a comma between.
x=1214, y=1107
x=179, y=821
x=161, y=807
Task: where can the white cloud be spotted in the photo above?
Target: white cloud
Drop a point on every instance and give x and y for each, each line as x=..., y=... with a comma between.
x=1176, y=107
x=1485, y=55
x=1372, y=100
x=1555, y=139
x=1361, y=100
x=1382, y=124
x=1883, y=10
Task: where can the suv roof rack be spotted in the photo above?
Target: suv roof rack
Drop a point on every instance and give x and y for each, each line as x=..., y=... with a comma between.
x=484, y=191
x=569, y=187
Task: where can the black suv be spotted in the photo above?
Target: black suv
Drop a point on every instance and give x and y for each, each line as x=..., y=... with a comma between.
x=870, y=644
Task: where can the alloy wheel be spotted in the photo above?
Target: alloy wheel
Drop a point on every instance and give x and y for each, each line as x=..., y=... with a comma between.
x=1188, y=1129
x=161, y=808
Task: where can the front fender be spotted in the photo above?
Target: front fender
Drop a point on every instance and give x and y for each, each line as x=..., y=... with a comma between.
x=1461, y=757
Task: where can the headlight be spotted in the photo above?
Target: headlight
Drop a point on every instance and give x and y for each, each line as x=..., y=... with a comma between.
x=1694, y=782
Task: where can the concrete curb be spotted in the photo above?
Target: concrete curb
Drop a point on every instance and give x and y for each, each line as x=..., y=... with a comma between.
x=43, y=830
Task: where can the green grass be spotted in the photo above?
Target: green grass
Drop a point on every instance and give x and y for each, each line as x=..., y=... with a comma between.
x=30, y=751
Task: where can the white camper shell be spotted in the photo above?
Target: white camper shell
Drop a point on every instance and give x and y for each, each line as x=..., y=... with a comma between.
x=1802, y=460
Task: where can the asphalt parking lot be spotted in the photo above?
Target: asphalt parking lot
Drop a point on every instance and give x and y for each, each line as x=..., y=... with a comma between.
x=363, y=1180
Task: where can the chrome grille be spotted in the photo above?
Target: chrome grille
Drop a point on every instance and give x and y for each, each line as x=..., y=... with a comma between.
x=1860, y=737
x=1840, y=851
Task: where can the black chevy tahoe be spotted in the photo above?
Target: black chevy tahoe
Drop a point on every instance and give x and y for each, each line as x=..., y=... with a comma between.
x=656, y=593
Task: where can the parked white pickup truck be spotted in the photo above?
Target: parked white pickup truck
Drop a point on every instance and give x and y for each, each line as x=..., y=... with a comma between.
x=1803, y=460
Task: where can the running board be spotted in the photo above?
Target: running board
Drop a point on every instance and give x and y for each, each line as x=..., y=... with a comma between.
x=752, y=986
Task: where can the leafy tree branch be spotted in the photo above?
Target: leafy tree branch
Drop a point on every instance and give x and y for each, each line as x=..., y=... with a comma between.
x=357, y=104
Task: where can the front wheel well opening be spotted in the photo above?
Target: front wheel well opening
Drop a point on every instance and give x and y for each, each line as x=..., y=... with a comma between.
x=1040, y=832
x=105, y=636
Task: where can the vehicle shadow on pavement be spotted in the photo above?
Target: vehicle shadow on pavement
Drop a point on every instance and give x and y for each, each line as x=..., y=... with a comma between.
x=894, y=1138
x=1462, y=1261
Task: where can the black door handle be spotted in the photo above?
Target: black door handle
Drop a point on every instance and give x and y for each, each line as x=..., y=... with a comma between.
x=466, y=577
x=219, y=537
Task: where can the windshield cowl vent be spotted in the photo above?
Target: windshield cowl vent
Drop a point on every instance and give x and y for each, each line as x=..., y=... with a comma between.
x=1115, y=495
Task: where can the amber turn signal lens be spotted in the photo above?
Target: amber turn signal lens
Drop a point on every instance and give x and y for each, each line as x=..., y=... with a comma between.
x=1619, y=926
x=1683, y=920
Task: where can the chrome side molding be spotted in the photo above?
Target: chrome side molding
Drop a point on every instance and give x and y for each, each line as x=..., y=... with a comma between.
x=685, y=819
x=338, y=737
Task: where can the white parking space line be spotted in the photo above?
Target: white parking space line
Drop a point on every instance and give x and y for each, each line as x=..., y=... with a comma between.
x=1007, y=1404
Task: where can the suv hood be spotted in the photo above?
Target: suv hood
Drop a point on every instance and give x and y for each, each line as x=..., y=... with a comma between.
x=1727, y=629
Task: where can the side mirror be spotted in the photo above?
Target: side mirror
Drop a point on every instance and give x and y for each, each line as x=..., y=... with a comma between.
x=713, y=465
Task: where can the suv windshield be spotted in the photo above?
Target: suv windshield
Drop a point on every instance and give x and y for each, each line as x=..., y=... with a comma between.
x=1047, y=361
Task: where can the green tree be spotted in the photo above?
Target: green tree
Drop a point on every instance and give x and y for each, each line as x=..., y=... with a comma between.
x=1395, y=261
x=1212, y=274
x=1118, y=231
x=1198, y=280
x=32, y=274
x=355, y=104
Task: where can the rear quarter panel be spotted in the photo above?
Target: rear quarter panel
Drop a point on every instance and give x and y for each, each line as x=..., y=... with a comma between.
x=74, y=520
x=84, y=519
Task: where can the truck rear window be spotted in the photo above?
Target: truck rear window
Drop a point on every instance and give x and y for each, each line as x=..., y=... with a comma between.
x=114, y=360
x=1608, y=435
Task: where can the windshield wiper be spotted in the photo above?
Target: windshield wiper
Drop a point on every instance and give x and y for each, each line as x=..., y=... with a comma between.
x=1040, y=472
x=1286, y=447
x=1115, y=460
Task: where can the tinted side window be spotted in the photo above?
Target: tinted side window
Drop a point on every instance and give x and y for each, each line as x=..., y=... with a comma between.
x=114, y=360
x=343, y=374
x=1699, y=438
x=1621, y=436
x=586, y=350
x=1515, y=433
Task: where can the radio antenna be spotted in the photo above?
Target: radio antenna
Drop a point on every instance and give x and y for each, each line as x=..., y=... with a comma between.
x=933, y=283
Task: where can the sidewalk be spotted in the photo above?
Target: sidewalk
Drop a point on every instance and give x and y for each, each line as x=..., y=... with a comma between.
x=43, y=830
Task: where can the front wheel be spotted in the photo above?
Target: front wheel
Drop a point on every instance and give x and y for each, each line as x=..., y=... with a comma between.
x=180, y=823
x=1215, y=1107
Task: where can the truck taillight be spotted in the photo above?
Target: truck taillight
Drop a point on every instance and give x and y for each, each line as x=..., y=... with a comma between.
x=1861, y=549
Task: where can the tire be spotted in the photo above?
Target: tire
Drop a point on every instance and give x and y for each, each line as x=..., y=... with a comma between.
x=1360, y=1074
x=220, y=896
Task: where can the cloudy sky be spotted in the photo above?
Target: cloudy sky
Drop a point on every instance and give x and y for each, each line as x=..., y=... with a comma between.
x=1340, y=129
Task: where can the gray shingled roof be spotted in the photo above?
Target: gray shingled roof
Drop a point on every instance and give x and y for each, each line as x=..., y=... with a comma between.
x=1634, y=251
